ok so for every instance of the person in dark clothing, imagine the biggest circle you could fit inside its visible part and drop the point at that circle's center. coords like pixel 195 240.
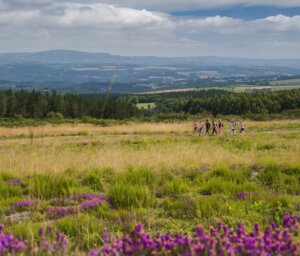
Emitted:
pixel 220 126
pixel 214 128
pixel 207 127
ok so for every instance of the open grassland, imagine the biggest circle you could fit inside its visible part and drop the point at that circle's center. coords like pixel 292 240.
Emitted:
pixel 156 145
pixel 274 86
pixel 286 82
pixel 83 178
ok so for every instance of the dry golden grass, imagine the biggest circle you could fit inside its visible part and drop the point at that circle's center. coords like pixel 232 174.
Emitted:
pixel 157 145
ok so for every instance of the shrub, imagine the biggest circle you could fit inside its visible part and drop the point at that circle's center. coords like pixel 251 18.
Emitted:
pixel 128 196
pixel 45 186
pixel 9 191
pixel 141 176
pixel 55 115
pixel 272 177
pixel 85 230
pixel 181 208
pixel 173 188
pixel 212 207
pixel 219 185
pixel 94 180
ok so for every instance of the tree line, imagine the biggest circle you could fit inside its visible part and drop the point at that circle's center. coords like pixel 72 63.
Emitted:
pixel 225 103
pixel 36 104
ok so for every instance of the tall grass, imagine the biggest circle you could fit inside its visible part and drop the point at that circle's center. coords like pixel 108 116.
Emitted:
pixel 165 146
pixel 45 186
pixel 130 196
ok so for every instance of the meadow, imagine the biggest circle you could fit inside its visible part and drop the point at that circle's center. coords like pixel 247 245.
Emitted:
pixel 83 179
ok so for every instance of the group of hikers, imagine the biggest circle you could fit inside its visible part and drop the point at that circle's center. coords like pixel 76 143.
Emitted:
pixel 204 128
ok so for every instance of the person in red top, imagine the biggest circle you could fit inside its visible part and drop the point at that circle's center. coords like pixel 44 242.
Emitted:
pixel 195 126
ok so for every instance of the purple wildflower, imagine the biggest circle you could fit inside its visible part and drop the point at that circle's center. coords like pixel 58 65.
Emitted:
pixel 9 245
pixel 24 203
pixel 75 203
pixel 217 241
pixel 60 212
pixel 241 196
pixel 14 182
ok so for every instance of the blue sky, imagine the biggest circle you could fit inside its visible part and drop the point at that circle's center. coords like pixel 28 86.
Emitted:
pixel 242 12
pixel 234 28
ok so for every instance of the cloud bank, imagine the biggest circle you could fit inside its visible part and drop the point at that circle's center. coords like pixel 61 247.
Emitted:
pixel 93 26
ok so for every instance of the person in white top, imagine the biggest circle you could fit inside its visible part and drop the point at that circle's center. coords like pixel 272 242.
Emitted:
pixel 233 127
pixel 242 128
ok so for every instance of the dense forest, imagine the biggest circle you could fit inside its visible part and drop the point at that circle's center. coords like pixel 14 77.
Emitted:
pixel 227 103
pixel 35 104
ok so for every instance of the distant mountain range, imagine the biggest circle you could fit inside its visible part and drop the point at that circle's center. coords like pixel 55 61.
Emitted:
pixel 81 71
pixel 77 57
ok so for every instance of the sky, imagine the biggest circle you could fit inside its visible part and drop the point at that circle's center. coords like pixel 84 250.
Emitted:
pixel 230 28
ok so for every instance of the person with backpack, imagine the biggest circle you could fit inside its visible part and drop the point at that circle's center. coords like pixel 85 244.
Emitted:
pixel 207 127
pixel 220 126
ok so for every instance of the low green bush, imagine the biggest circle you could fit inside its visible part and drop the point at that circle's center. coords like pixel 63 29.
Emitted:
pixel 85 230
pixel 140 176
pixel 9 191
pixel 46 186
pixel 94 180
pixel 219 185
pixel 130 196
pixel 185 207
pixel 172 188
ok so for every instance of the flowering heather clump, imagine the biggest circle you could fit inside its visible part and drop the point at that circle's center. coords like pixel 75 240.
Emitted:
pixel 92 203
pixel 63 202
pixel 24 203
pixel 80 202
pixel 14 181
pixel 60 212
pixel 216 241
pixel 84 197
pixel 55 247
pixel 9 245
pixel 241 196
pixel 219 241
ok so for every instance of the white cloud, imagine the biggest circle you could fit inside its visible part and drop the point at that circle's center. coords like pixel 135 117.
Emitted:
pixel 165 5
pixel 216 24
pixel 173 5
pixel 130 31
pixel 278 24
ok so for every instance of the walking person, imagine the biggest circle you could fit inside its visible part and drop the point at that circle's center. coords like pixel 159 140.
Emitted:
pixel 195 126
pixel 220 126
pixel 207 127
pixel 201 128
pixel 215 131
pixel 242 128
pixel 233 127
